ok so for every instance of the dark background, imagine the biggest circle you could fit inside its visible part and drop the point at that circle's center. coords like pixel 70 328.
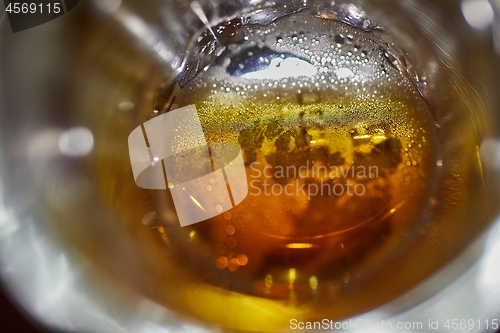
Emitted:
pixel 11 319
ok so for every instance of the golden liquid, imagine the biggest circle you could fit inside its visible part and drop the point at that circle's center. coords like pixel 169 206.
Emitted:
pixel 383 150
pixel 277 256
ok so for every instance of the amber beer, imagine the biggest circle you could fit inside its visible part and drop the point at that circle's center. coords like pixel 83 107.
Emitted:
pixel 339 148
pixel 340 153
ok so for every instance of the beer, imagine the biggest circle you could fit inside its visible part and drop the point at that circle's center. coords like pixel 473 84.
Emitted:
pixel 341 156
pixel 338 163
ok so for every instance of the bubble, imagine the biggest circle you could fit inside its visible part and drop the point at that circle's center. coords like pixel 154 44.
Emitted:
pixel 284 230
pixel 242 259
pixel 230 230
pixel 233 264
pixel 221 262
